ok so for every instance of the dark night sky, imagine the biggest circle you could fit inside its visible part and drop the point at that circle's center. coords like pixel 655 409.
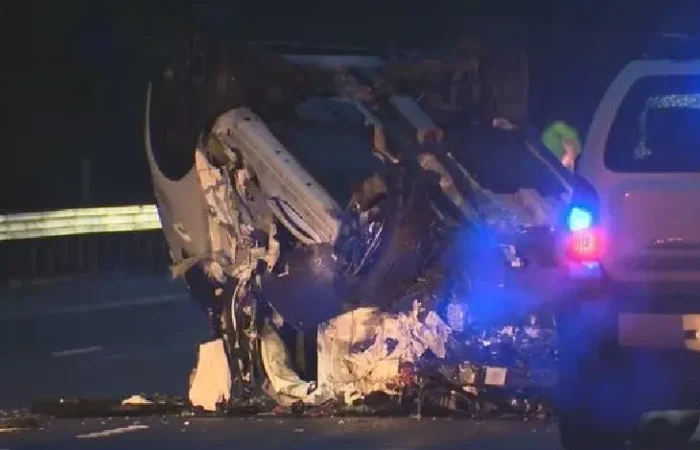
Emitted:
pixel 74 72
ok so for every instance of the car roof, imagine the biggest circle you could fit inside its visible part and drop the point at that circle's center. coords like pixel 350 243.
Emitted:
pixel 663 67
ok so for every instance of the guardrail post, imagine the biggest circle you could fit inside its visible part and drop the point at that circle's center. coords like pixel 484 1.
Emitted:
pixel 33 259
pixel 81 255
pixel 122 243
pixel 149 253
pixel 49 262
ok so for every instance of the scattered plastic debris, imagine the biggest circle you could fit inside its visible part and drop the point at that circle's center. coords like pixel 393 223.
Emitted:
pixel 86 408
pixel 394 339
pixel 18 422
pixel 136 400
pixel 211 380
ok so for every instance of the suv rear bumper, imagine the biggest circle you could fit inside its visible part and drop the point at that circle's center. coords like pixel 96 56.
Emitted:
pixel 623 353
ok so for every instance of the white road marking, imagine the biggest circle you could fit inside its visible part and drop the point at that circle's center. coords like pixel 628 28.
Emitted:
pixel 696 436
pixel 148 352
pixel 81 309
pixel 112 432
pixel 78 351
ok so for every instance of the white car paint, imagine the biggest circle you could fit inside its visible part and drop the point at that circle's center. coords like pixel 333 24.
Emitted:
pixel 642 213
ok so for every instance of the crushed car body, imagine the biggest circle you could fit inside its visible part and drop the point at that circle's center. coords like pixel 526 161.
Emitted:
pixel 342 242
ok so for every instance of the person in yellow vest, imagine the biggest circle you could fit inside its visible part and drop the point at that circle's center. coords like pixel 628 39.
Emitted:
pixel 563 141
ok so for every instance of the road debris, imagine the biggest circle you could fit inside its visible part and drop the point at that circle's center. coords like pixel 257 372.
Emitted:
pixel 18 420
pixel 95 407
pixel 136 400
pixel 211 380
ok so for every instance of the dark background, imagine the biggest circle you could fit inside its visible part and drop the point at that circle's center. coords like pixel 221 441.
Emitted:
pixel 74 72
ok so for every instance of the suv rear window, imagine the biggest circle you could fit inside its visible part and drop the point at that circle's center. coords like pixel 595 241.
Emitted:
pixel 657 128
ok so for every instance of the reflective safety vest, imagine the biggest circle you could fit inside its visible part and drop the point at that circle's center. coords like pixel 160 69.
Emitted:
pixel 556 134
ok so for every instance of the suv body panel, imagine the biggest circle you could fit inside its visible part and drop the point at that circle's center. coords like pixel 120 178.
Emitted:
pixel 651 220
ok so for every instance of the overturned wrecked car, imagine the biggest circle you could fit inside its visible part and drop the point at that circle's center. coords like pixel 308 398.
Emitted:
pixel 349 236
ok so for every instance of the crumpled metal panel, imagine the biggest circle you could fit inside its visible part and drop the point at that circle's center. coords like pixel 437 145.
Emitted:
pixel 297 199
pixel 181 205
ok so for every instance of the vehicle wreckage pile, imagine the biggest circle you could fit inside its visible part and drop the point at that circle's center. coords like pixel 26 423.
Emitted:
pixel 351 237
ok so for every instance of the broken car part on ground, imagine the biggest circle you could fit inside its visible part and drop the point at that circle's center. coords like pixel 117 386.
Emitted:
pixel 351 232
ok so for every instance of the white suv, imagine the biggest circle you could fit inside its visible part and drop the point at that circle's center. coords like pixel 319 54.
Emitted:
pixel 630 330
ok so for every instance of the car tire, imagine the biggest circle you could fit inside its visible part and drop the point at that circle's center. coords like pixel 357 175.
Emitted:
pixel 579 432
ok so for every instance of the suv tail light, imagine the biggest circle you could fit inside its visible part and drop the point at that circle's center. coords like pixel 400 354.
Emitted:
pixel 583 238
pixel 584 241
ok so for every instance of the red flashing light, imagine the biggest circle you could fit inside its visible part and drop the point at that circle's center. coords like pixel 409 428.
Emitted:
pixel 585 245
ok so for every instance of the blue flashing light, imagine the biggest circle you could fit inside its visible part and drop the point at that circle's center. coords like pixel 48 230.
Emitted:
pixel 579 219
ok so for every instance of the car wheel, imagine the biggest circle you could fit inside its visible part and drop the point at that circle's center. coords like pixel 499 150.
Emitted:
pixel 578 432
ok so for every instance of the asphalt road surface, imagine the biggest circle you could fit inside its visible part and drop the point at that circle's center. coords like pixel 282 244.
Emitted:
pixel 119 337
pixel 130 336
pixel 321 434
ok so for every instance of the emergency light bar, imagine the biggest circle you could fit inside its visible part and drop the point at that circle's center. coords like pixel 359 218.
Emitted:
pixel 68 222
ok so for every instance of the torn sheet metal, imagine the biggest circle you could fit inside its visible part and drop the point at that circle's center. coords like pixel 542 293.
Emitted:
pixel 298 199
pixel 235 211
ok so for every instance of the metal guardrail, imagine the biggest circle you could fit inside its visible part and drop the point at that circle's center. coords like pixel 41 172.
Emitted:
pixel 71 222
pixel 77 242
